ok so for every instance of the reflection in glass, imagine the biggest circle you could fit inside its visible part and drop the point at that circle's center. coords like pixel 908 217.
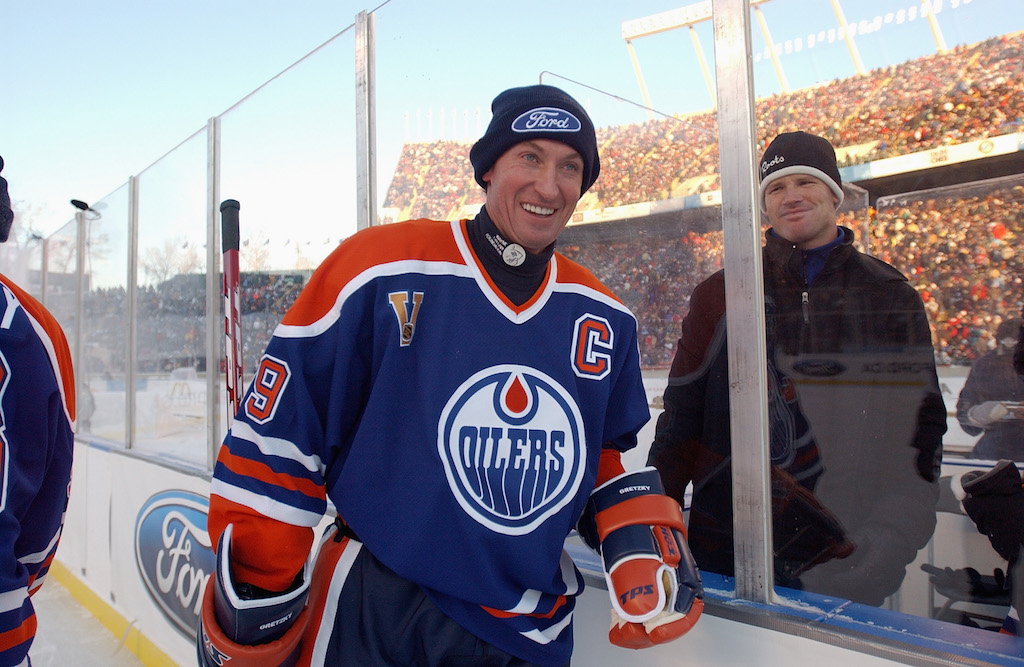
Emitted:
pixel 170 347
pixel 925 137
pixel 958 246
pixel 103 364
pixel 61 281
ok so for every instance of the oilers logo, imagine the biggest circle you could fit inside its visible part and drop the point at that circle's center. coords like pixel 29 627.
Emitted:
pixel 513 446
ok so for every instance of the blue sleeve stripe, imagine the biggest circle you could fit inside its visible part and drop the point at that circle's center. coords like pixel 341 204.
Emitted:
pixel 275 447
pixel 308 514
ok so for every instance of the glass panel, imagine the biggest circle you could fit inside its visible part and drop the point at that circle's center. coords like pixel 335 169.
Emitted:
pixel 21 256
pixel 921 106
pixel 103 365
pixel 32 255
pixel 170 349
pixel 61 281
pixel 288 157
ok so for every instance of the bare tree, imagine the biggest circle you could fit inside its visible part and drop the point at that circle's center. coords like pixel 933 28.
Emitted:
pixel 255 253
pixel 23 252
pixel 175 256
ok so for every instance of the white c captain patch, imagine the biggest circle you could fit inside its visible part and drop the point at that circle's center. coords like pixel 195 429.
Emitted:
pixel 513 445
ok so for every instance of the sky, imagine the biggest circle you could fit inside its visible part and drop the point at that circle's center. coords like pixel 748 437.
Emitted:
pixel 95 92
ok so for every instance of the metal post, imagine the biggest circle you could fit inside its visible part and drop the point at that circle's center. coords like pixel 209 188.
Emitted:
pixel 928 10
pixel 699 50
pixel 779 72
pixel 76 354
pixel 640 79
pixel 850 44
pixel 133 312
pixel 744 292
pixel 366 141
pixel 214 304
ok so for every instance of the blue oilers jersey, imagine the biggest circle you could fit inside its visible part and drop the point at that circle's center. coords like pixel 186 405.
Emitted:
pixel 37 417
pixel 457 433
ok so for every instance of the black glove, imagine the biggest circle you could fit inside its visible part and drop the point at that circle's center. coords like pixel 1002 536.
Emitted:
pixel 804 532
pixel 995 502
pixel 968 584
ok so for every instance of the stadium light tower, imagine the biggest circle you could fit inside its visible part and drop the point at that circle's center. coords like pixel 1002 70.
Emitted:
pixel 690 15
pixel 858 64
pixel 683 17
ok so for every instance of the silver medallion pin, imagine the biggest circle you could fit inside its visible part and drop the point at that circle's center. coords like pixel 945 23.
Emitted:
pixel 514 255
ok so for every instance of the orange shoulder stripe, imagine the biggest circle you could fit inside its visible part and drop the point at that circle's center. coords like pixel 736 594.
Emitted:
pixel 54 341
pixel 424 240
pixel 571 272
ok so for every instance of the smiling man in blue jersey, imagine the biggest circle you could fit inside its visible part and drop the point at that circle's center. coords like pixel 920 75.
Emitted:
pixel 461 393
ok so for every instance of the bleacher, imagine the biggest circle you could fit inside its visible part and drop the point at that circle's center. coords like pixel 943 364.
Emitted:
pixel 957 247
pixel 890 111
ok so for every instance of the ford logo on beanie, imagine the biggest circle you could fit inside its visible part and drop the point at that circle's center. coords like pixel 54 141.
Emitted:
pixel 547 118
pixel 536 112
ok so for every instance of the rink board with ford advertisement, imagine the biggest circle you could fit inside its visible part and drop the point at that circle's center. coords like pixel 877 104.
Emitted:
pixel 136 535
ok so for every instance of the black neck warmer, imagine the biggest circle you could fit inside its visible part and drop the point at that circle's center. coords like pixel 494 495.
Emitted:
pixel 517 283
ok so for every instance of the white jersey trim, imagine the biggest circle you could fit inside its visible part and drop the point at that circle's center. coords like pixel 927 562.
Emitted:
pixel 268 507
pixel 13 600
pixel 324 632
pixel 44 338
pixel 278 447
pixel 549 634
pixel 427 268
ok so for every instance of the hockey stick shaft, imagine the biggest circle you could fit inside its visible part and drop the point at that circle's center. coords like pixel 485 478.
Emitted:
pixel 232 306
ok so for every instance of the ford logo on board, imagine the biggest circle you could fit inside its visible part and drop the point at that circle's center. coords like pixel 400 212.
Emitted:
pixel 819 367
pixel 174 556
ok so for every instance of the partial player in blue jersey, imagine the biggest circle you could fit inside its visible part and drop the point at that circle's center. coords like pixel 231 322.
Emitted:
pixel 461 393
pixel 37 419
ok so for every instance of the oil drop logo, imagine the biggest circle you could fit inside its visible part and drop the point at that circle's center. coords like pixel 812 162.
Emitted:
pixel 513 446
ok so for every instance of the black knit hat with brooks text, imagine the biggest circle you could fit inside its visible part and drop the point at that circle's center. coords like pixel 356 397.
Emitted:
pixel 536 112
pixel 800 153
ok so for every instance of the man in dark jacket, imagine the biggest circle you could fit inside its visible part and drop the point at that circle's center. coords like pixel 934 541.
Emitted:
pixel 856 416
pixel 990 404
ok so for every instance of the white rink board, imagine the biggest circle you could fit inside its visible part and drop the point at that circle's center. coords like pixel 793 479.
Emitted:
pixel 111 488
pixel 105 506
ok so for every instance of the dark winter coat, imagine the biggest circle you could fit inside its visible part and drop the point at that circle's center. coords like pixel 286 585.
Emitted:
pixel 856 423
pixel 993 378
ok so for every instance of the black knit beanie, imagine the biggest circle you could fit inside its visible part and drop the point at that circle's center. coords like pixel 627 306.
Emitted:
pixel 536 112
pixel 800 153
pixel 6 214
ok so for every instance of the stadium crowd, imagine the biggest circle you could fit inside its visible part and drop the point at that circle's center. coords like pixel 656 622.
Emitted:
pixel 957 247
pixel 967 93
pixel 959 250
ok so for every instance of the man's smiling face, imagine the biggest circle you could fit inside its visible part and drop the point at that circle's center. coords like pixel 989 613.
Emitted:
pixel 532 191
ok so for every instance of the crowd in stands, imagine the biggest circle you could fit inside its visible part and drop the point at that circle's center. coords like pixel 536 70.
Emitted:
pixel 960 251
pixel 433 181
pixel 958 248
pixel 967 93
pixel 172 320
